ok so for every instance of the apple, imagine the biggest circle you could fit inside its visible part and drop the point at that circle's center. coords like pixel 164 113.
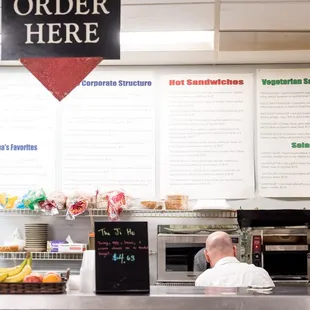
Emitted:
pixel 32 279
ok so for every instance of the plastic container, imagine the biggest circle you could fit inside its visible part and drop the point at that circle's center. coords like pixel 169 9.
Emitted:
pixel 87 273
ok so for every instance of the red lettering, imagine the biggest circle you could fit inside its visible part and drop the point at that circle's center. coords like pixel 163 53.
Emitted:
pixel 176 82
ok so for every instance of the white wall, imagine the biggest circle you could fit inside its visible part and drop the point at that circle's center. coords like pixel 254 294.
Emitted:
pixel 255 203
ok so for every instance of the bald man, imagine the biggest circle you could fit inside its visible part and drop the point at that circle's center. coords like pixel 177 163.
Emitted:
pixel 226 270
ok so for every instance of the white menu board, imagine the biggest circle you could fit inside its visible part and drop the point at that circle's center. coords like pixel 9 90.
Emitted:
pixel 207 136
pixel 109 134
pixel 27 133
pixel 283 132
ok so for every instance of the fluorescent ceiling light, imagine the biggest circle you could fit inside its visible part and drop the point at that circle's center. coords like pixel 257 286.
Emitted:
pixel 166 41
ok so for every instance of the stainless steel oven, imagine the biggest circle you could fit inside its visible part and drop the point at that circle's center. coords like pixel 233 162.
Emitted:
pixel 283 252
pixel 176 254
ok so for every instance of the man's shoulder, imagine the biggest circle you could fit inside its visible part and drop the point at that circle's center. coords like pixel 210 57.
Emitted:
pixel 257 269
pixel 206 273
pixel 201 280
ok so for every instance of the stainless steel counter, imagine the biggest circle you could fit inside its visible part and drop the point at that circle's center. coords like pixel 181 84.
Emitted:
pixel 168 298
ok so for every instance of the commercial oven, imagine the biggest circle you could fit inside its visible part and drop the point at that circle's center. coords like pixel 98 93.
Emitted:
pixel 282 252
pixel 177 249
pixel 280 242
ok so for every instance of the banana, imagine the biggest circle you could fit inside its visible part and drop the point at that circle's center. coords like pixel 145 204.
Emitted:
pixel 12 271
pixel 29 261
pixel 19 277
pixel 3 276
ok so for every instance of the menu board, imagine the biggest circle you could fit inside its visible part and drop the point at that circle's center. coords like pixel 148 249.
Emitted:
pixel 27 133
pixel 206 140
pixel 283 135
pixel 122 257
pixel 109 134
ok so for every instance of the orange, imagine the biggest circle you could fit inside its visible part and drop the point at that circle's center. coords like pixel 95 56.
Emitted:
pixel 52 278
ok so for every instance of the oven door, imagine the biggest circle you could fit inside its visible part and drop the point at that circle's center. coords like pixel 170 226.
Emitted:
pixel 286 262
pixel 176 256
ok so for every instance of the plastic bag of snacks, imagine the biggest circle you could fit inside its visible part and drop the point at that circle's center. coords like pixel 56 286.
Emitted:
pixel 48 207
pixel 102 201
pixel 58 198
pixel 92 201
pixel 7 202
pixel 32 198
pixel 76 205
pixel 116 204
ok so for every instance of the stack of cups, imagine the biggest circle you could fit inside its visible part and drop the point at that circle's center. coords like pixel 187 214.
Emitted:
pixel 88 273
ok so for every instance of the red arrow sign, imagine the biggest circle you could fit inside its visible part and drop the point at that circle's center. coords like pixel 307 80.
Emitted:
pixel 60 75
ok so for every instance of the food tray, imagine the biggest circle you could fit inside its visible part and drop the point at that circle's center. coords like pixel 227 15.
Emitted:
pixel 36 288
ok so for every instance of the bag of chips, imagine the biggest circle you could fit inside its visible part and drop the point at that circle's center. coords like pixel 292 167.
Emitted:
pixel 32 199
pixel 76 205
pixel 59 199
pixel 7 202
pixel 116 204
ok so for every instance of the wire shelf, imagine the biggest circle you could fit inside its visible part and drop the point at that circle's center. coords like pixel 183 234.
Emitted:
pixel 136 213
pixel 41 256
pixel 170 213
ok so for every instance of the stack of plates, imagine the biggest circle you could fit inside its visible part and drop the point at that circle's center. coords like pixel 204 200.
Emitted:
pixel 36 237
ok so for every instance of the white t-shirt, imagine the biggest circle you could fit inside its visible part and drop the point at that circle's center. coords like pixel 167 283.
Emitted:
pixel 229 272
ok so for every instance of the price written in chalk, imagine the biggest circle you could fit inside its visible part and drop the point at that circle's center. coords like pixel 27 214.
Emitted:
pixel 123 259
pixel 117 232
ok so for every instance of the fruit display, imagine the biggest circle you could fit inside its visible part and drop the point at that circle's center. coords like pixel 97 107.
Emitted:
pixel 23 274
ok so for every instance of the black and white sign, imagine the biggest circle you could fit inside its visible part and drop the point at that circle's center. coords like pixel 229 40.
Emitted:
pixel 60 28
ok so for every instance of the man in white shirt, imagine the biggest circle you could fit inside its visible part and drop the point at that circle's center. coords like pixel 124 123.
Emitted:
pixel 226 270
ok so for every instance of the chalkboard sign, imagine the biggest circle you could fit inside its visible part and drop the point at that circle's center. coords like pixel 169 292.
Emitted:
pixel 122 258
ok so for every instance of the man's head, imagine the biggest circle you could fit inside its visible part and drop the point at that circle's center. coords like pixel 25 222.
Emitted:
pixel 218 246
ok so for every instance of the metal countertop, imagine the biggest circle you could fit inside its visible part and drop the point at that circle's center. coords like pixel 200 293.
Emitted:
pixel 168 298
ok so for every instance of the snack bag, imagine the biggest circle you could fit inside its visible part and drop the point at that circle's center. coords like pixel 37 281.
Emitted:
pixel 7 202
pixel 59 199
pixel 2 200
pixel 76 205
pixel 102 201
pixel 10 202
pixel 19 204
pixel 116 203
pixel 32 198
pixel 48 207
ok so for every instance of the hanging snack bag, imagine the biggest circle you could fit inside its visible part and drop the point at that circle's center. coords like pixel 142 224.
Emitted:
pixel 10 202
pixel 32 199
pixel 48 207
pixel 59 199
pixel 116 204
pixel 76 205
pixel 2 200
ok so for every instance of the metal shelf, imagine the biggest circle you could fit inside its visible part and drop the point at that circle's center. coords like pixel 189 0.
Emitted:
pixel 136 213
pixel 18 212
pixel 170 213
pixel 41 256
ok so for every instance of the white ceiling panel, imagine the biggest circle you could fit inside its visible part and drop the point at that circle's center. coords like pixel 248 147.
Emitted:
pixel 265 16
pixel 264 41
pixel 168 17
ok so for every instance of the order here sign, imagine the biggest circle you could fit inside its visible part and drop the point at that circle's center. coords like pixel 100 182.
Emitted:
pixel 60 28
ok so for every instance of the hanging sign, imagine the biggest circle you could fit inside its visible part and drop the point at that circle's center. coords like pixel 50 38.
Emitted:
pixel 60 28
pixel 68 29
